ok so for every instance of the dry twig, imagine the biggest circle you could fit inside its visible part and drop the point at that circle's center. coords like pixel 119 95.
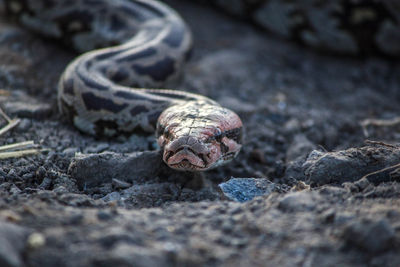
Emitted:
pixel 16 150
pixel 379 123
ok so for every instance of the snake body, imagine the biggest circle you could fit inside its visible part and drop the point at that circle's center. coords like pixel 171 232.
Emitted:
pixel 148 46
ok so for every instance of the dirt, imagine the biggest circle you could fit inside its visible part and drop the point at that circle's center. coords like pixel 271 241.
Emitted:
pixel 102 202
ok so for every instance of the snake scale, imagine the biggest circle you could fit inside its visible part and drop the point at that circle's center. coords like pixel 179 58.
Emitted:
pixel 147 44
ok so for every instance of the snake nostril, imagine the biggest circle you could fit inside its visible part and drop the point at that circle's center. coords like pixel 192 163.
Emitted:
pixel 202 157
pixel 168 154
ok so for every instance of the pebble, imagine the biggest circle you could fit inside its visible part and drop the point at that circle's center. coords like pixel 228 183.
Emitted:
pixel 112 197
pixel 60 189
pixel 96 148
pixel 36 240
pixel 70 151
pixel 45 184
pixel 245 189
pixel 24 125
pixel 14 190
pixel 299 201
pixel 118 184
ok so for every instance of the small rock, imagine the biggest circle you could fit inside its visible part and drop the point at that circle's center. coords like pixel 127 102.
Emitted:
pixel 96 148
pixel 76 200
pixel 45 184
pixel 70 151
pixel 112 197
pixel 118 184
pixel 245 189
pixel 12 244
pixel 36 240
pixel 60 189
pixel 362 184
pixel 96 169
pixel 332 190
pixel 369 235
pixel 299 201
pixel 14 190
pixel 24 125
pixel 351 164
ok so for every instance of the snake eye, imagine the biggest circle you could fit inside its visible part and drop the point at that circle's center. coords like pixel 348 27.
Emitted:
pixel 166 132
pixel 218 135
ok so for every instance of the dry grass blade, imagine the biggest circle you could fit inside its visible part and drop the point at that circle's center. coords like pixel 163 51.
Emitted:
pixel 16 150
pixel 379 123
pixel 2 113
pixel 18 154
pixel 17 146
pixel 9 126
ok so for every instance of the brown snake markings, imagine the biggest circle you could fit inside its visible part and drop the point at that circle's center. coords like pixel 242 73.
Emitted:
pixel 147 45
pixel 97 91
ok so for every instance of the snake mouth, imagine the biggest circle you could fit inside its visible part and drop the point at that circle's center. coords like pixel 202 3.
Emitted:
pixel 185 159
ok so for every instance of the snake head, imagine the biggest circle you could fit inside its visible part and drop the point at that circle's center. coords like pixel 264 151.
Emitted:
pixel 198 138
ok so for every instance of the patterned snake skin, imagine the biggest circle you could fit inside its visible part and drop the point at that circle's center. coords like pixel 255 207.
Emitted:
pixel 149 44
pixel 350 27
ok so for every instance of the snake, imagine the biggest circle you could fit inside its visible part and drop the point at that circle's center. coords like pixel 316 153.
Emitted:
pixel 129 50
pixel 132 47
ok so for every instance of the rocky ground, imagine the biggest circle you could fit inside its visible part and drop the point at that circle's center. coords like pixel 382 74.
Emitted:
pixel 321 134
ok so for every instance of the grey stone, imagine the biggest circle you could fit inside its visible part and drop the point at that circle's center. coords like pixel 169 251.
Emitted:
pixel 245 189
pixel 45 184
pixel 362 184
pixel 70 151
pixel 60 189
pixel 15 190
pixel 93 170
pixel 24 125
pixel 299 201
pixel 118 184
pixel 111 197
pixel 350 165
pixel 98 148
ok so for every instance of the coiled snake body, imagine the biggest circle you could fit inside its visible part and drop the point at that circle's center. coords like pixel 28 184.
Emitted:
pixel 96 93
pixel 149 44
